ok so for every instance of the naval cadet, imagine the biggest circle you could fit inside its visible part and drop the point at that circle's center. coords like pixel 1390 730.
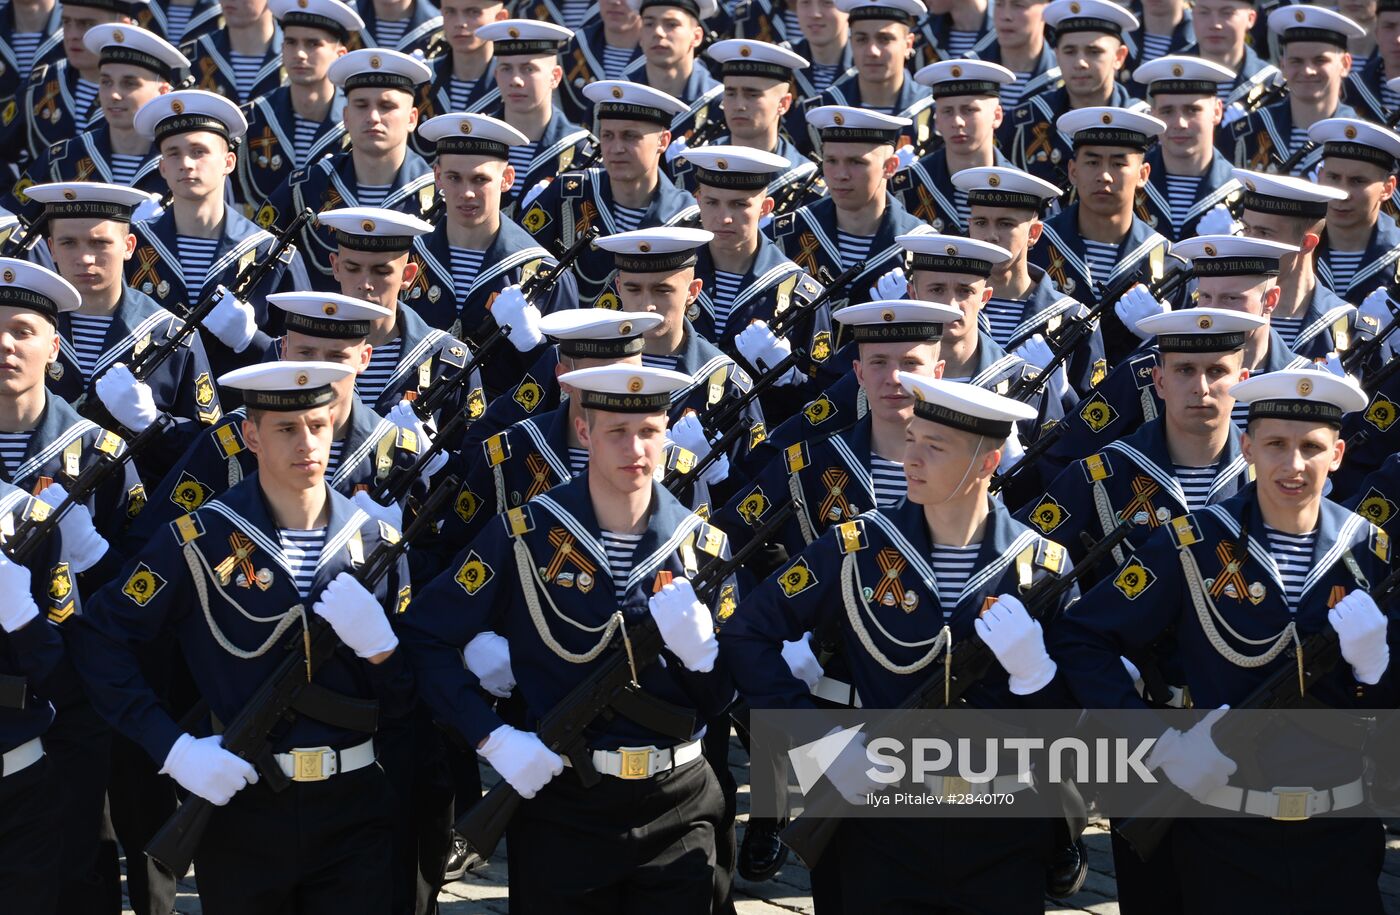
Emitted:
pixel 378 170
pixel 607 48
pixel 1189 177
pixel 758 80
pixel 527 75
pixel 468 269
pixel 966 113
pixel 824 39
pixel 1263 571
pixel 301 121
pixel 947 562
pixel 1006 207
pixel 134 68
pixel 1089 52
pixel 199 245
pixel 242 59
pixel 1360 248
pixel 856 224
pixel 672 33
pixel 31 36
pixel 628 192
pixel 602 551
pixel 415 29
pixel 1167 27
pixel 237 582
pixel 954 30
pixel 1099 238
pixel 1372 434
pixel 1368 86
pixel 1222 36
pixel 1019 43
pixel 464 78
pixel 1314 61
pixel 882 44
pixel 1376 497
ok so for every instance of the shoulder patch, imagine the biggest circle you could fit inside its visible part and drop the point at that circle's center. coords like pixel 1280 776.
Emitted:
pixel 230 442
pixel 795 456
pixel 1133 579
pixel 742 379
pixel 1096 467
pixel 850 536
pixel 405 598
pixel 406 440
pixel 142 585
pixel 108 443
pixel 535 219
pixel 37 77
pixel 571 186
pixel 821 346
pixel 1375 507
pixel 467 505
pixel 1097 412
pixel 1050 556
pixel 497 449
pixel 1381 412
pixel 1049 514
pixel 135 500
pixel 753 506
pixel 58 150
pixel 528 394
pixel 1185 531
pixel 474 573
pixel 187 528
pixel 758 432
pixel 1380 544
pixel 388 533
pixel 1141 367
pixel 784 224
pixel 680 460
pixel 189 493
pixel 709 539
pixel 519 520
pixel 819 410
pixel 60 589
pixel 797 578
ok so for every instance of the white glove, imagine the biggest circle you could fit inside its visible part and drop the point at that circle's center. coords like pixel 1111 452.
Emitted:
pixel 1019 644
pixel 1233 112
pixel 802 662
pixel 487 656
pixel 403 416
pixel 82 544
pixel 18 607
pixel 129 401
pixel 391 515
pixel 1011 452
pixel 150 208
pixel 686 625
pixel 763 349
pixel 891 285
pixel 1377 306
pixel 1217 221
pixel 1039 354
pixel 511 309
pixel 231 320
pixel 522 759
pixel 534 192
pixel 717 472
pixel 907 156
pixel 1361 628
pixel 678 146
pixel 1333 364
pixel 202 766
pixel 1191 760
pixel 356 617
pixel 688 433
pixel 1137 304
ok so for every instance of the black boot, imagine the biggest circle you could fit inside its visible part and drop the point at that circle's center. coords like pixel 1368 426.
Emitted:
pixel 461 859
pixel 761 854
pixel 1067 871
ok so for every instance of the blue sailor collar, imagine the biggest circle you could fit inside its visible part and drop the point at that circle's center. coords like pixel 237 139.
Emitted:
pixel 1382 251
pixel 1147 449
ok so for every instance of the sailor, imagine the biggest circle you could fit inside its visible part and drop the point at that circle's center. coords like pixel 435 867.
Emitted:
pixel 607 48
pixel 627 192
pixel 1019 43
pixel 1222 37
pixel 1368 84
pixel 31 36
pixel 241 60
pixel 415 28
pixel 1360 248
pixel 672 33
pixel 379 170
pixel 301 121
pixel 464 78
pixel 239 582
pixel 954 30
pixel 602 551
pixel 1166 28
pixel 1265 570
pixel 1314 61
pixel 823 38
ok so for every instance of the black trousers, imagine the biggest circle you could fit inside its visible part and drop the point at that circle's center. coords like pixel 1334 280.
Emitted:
pixel 945 865
pixel 139 801
pixel 79 745
pixel 622 847
pixel 317 848
pixel 1261 865
pixel 414 757
pixel 1151 887
pixel 716 747
pixel 31 840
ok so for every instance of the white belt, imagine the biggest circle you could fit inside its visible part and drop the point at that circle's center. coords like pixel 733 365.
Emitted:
pixel 316 764
pixel 22 757
pixel 643 762
pixel 945 785
pixel 1287 803
pixel 836 691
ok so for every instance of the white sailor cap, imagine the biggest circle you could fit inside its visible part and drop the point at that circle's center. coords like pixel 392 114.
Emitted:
pixel 339 19
pixel 121 43
pixel 1313 23
pixel 187 111
pixel 379 68
pixel 26 285
pixel 1109 126
pixel 658 250
pixel 951 253
pixel 87 200
pixel 744 57
pixel 1351 138
pixel 1201 330
pixel 738 168
pixel 1000 186
pixel 968 407
pixel 700 9
pixel 1285 195
pixel 328 314
pixel 906 11
pixel 625 388
pixel 598 333
pixel 844 124
pixel 465 134
pixel 621 100
pixel 897 320
pixel 1232 255
pixel 1089 16
pixel 1178 74
pixel 1309 395
pixel 373 228
pixel 948 78
pixel 524 37
pixel 285 387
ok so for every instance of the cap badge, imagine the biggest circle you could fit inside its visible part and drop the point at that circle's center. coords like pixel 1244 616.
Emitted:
pixel 330 309
pixel 69 195
pixel 513 32
pixel 374 62
pixel 634 384
pixel 1177 70
pixel 721 164
pixel 302 3
pixel 1204 323
pixel 1074 8
pixel 1209 250
pixel 119 36
pixel 745 51
pixel 177 106
pixel 625 327
pixel 1300 16
pixel 1107 118
pixel 367 225
pixel 951 250
pixel 9 275
pixel 994 180
pixel 465 127
pixel 617 92
pixel 887 315
pixel 302 378
pixel 1350 132
pixel 644 247
pixel 956 72
pixel 1305 387
pixel 838 119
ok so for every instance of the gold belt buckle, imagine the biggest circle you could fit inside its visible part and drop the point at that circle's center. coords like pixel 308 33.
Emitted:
pixel 636 762
pixel 310 765
pixel 1292 804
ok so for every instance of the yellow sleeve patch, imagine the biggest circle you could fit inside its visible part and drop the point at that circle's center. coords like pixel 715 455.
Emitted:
pixel 1380 544
pixel 753 507
pixel 1133 579
pixel 187 528
pixel 850 535
pixel 1096 467
pixel 796 457
pixel 497 449
pixel 519 520
pixel 229 442
pixel 1184 531
pixel 474 573
pixel 143 585
pixel 797 578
